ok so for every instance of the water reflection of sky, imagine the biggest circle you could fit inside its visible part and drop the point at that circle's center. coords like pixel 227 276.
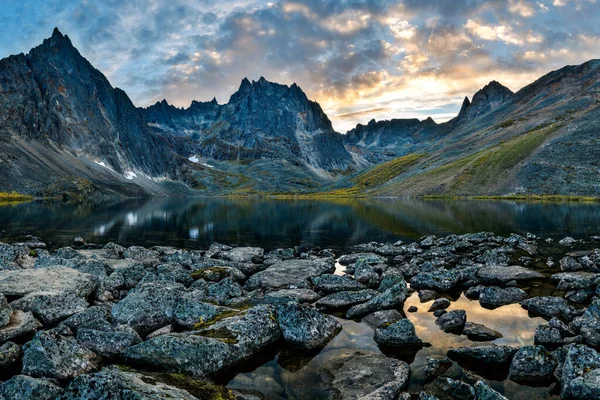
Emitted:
pixel 275 381
pixel 196 223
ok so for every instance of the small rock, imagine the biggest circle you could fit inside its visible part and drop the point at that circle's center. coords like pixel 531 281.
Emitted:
pixel 452 322
pixel 480 333
pixel 22 387
pixel 426 295
pixel 440 304
pixel 567 241
pixel 546 306
pixel 345 300
pixel 532 365
pixel 547 336
pixel 484 392
pixel 485 358
pixel 494 296
pixel 398 334
pixel 305 327
pixel 434 367
pixel 21 324
pixel 381 318
pixel 412 309
pixel 9 355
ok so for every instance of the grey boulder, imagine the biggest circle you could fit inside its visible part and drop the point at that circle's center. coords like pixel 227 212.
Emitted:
pixel 305 327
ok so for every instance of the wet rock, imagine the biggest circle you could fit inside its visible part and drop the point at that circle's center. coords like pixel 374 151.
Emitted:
pixel 545 306
pixel 586 386
pixel 207 351
pixel 21 324
pixel 569 264
pixel 439 313
pixel 381 318
pixel 452 322
pixel 298 295
pixel 148 307
pixel 335 283
pixel 579 360
pixel 50 354
pixel 487 359
pixel 22 387
pixel 59 279
pixel 455 388
pixel 484 392
pixel 434 367
pixel 51 307
pixel 473 292
pixel 389 299
pixel 399 334
pixel 363 272
pixel 9 355
pixel 495 296
pixel 112 383
pixel 289 274
pixel 345 300
pixel 442 281
pixel 357 375
pixel 412 309
pixel 532 365
pixel 439 304
pixel 480 333
pixel 503 275
pixel 107 344
pixel 548 336
pixel 305 327
pixel 426 295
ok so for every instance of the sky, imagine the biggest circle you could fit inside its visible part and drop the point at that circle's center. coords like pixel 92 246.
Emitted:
pixel 359 59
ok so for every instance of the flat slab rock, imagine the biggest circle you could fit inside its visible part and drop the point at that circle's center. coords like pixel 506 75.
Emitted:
pixel 59 279
pixel 289 274
pixel 355 375
pixel 502 275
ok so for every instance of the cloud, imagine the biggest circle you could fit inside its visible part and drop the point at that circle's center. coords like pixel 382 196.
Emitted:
pixel 504 33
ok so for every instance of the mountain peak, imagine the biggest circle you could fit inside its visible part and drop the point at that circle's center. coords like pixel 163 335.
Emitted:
pixel 57 34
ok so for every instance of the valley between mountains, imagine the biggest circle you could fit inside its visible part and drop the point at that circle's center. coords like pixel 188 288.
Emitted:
pixel 66 132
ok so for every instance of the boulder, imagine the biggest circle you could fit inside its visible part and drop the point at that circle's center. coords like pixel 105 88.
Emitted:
pixel 486 359
pixel 439 304
pixel 576 280
pixel 330 283
pixel 148 307
pixel 22 387
pixel 52 355
pixel 243 254
pixel 480 333
pixel 51 307
pixel 107 344
pixel 9 354
pixel 298 295
pixel 579 361
pixel 569 264
pixel 434 367
pixel 389 299
pixel 190 311
pixel 345 300
pixel 547 336
pixel 502 275
pixel 355 375
pixel 370 258
pixel 441 281
pixel 452 322
pixel 532 365
pixel 93 317
pixel 305 327
pixel 111 383
pixel 545 306
pixel 494 296
pixel 399 334
pixel 587 386
pixel 21 323
pixel 290 274
pixel 363 272
pixel 212 349
pixel 60 279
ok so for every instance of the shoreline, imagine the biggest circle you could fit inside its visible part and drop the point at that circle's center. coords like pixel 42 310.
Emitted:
pixel 192 318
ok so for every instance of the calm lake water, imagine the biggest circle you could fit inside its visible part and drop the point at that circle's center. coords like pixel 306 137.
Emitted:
pixel 196 223
pixel 284 373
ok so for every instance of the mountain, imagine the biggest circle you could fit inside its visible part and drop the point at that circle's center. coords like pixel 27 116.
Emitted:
pixel 541 140
pixel 60 118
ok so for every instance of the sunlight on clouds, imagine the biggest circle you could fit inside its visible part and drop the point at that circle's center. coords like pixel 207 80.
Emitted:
pixel 502 33
pixel 522 8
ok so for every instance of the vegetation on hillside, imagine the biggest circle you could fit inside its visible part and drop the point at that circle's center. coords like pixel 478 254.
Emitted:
pixel 13 196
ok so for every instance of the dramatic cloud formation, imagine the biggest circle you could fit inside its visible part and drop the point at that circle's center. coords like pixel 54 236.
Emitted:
pixel 360 59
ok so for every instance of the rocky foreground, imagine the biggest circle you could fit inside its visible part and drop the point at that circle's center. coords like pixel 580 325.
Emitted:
pixel 123 323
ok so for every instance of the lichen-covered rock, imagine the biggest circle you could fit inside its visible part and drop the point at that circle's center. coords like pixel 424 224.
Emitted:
pixel 439 304
pixel 21 323
pixel 547 336
pixel 212 349
pixel 148 307
pixel 298 295
pixel 22 387
pixel 355 375
pixel 243 254
pixel 389 299
pixel 587 386
pixel 441 281
pixel 52 355
pixel 532 365
pixel 546 306
pixel 434 367
pixel 480 333
pixel 305 327
pixel 576 280
pixel 344 300
pixel 111 383
pixel 370 258
pixel 174 273
pixel 494 296
pixel 51 307
pixel 190 311
pixel 5 311
pixel 224 290
pixel 363 272
pixel 59 279
pixel 290 274
pixel 452 322
pixel 579 360
pixel 93 317
pixel 107 344
pixel 502 275
pixel 399 334
pixel 330 283
pixel 484 392
pixel 485 358
pixel 9 355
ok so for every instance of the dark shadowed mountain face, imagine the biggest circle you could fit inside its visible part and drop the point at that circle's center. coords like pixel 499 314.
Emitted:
pixel 60 117
pixel 485 100
pixel 262 120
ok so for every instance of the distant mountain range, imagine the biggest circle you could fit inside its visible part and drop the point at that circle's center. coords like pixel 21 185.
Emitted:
pixel 64 130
